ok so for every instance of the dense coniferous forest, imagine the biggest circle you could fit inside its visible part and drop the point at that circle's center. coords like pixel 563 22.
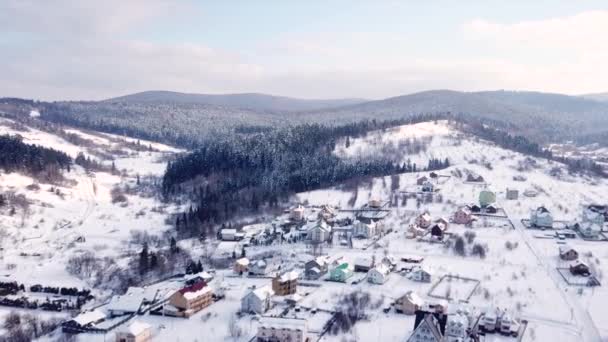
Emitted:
pixel 31 159
pixel 242 173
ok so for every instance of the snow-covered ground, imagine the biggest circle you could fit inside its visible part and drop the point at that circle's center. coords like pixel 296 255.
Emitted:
pixel 78 215
pixel 521 279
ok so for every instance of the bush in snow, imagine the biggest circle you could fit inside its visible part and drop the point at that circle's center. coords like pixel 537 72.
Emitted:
pixel 479 250
pixel 459 246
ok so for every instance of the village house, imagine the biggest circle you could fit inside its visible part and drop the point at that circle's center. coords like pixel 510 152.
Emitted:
pixel 318 232
pixel 342 272
pixel 486 197
pixel 589 230
pixel 258 268
pixel 315 268
pixel 231 235
pixel 594 214
pixel 85 321
pixel 278 329
pixel 390 261
pixel 409 303
pixel 297 213
pixel 327 213
pixel 428 327
pixel 427 187
pixel 489 321
pixel 420 274
pixel 491 209
pixel 189 300
pixel 137 299
pixel 438 231
pixel 580 269
pixel 568 253
pixel 512 194
pixel 241 266
pixel 134 332
pixel 257 300
pixel 364 230
pixel 457 327
pixel 379 274
pixel 600 209
pixel 364 264
pixel 424 220
pixel 475 178
pixel 474 208
pixel 422 180
pixel 285 284
pixel 463 216
pixel 541 218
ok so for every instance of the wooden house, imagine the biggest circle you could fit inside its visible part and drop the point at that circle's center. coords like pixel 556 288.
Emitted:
pixel 568 253
pixel 463 216
pixel 241 266
pixel 423 220
pixel 297 213
pixel 409 303
pixel 427 187
pixel 189 300
pixel 438 231
pixel 285 284
pixel 422 180
pixel 135 331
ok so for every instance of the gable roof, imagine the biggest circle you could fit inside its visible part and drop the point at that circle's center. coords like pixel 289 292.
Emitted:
pixel 135 328
pixel 261 293
pixel 195 290
pixel 432 321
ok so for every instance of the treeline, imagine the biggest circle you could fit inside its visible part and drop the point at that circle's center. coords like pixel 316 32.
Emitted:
pixel 31 159
pixel 241 174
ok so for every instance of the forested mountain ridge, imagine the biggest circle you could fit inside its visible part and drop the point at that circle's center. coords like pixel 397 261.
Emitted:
pixel 541 117
pixel 253 101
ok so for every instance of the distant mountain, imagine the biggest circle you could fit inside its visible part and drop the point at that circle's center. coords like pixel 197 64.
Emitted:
pixel 252 101
pixel 603 97
pixel 539 115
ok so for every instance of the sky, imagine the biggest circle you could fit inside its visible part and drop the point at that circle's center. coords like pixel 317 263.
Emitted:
pixel 91 50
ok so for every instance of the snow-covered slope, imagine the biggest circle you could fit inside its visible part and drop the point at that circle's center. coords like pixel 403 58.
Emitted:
pixel 79 214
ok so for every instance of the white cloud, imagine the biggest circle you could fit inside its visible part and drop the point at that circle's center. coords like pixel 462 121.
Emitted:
pixel 91 50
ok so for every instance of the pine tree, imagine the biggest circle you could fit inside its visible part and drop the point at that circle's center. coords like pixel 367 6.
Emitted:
pixel 173 244
pixel 144 262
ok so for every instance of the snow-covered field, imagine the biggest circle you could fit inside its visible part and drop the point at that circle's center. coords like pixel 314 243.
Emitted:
pixel 63 220
pixel 521 279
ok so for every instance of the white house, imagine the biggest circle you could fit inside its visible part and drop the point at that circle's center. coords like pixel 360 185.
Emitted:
pixel 379 274
pixel 276 329
pixel 427 330
pixel 364 230
pixel 258 267
pixel 420 274
pixel 257 300
pixel 318 232
pixel 456 327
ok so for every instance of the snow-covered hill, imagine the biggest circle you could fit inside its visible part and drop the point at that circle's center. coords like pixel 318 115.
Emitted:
pixel 56 222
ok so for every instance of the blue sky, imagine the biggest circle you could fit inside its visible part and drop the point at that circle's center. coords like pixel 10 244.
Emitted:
pixel 312 49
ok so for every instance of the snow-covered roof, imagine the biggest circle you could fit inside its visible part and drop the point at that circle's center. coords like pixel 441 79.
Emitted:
pixel 228 231
pixel 413 298
pixel 565 249
pixel 89 317
pixel 135 328
pixel 382 269
pixel 130 301
pixel 289 276
pixel 261 292
pixel 284 323
pixel 243 262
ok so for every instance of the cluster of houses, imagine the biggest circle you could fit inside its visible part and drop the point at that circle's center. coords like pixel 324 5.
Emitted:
pixel 258 300
pixel 118 314
pixel 577 267
pixel 424 224
pixel 592 221
pixel 436 325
